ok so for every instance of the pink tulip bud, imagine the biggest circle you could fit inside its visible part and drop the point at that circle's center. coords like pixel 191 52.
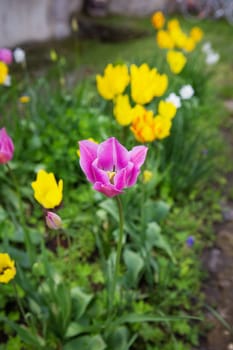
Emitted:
pixel 53 220
pixel 6 147
pixel 6 56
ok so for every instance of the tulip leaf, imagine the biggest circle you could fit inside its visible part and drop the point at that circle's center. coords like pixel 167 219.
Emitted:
pixel 81 301
pixel 86 342
pixel 118 340
pixel 156 239
pixel 134 264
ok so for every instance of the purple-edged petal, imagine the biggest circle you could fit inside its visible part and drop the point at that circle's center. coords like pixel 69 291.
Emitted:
pixel 108 189
pixel 112 155
pixel 99 174
pixel 127 176
pixel 88 153
pixel 138 155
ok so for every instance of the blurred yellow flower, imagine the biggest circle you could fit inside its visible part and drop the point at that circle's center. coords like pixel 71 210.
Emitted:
pixel 143 126
pixel 160 84
pixel 146 83
pixel 167 109
pixel 173 24
pixel 24 99
pixel 147 176
pixel 196 34
pixel 90 139
pixel 164 40
pixel 189 45
pixel 113 82
pixel 162 127
pixel 3 72
pixel 122 110
pixel 179 37
pixel 176 61
pixel 7 268
pixel 46 190
pixel 158 20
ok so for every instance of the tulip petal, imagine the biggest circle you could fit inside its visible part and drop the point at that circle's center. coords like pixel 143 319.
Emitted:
pixel 138 155
pixel 99 174
pixel 88 153
pixel 107 189
pixel 112 155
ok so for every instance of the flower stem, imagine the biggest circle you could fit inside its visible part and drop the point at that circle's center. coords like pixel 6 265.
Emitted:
pixel 20 305
pixel 119 250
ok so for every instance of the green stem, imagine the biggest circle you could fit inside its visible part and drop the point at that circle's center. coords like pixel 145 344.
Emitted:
pixel 20 305
pixel 28 242
pixel 119 250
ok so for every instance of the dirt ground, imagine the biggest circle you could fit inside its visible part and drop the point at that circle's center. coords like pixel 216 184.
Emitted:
pixel 218 261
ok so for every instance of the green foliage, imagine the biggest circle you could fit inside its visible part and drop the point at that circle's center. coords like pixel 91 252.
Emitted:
pixel 63 281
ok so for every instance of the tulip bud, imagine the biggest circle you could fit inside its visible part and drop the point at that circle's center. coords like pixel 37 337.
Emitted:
pixel 53 220
pixel 6 147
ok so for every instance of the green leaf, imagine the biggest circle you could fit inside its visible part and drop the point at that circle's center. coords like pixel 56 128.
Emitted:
pixel 155 238
pixel 26 334
pixel 111 208
pixel 161 210
pixel 118 340
pixel 86 343
pixel 134 264
pixel 137 318
pixel 74 329
pixel 81 300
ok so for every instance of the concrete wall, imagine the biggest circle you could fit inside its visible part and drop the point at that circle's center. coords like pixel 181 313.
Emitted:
pixel 37 20
pixel 135 7
pixel 32 20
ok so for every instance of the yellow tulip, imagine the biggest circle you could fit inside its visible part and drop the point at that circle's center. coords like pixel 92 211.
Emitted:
pixel 189 45
pixel 164 40
pixel 3 72
pixel 46 190
pixel 167 109
pixel 176 61
pixel 143 80
pixel 122 110
pixel 173 24
pixel 113 82
pixel 196 34
pixel 162 127
pixel 143 126
pixel 7 268
pixel 158 20
pixel 160 84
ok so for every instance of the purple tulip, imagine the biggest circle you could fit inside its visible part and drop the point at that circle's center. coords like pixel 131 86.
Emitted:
pixel 6 56
pixel 110 166
pixel 53 220
pixel 6 147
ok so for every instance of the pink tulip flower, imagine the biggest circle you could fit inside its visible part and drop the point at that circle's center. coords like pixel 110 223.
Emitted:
pixel 110 166
pixel 6 56
pixel 6 147
pixel 53 220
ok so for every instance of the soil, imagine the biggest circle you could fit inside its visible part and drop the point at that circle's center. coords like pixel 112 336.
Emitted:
pixel 218 261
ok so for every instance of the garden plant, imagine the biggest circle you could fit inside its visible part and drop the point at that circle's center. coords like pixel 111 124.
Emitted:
pixel 104 197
